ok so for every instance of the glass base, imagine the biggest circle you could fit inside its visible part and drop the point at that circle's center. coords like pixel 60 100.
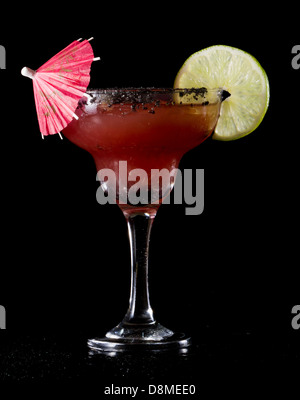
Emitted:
pixel 125 337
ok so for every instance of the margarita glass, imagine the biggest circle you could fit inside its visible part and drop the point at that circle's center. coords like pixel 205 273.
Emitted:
pixel 144 129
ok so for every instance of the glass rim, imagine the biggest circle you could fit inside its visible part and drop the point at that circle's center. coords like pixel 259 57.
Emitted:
pixel 136 95
pixel 153 90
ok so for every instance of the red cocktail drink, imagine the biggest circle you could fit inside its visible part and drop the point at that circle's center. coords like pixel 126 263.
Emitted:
pixel 151 131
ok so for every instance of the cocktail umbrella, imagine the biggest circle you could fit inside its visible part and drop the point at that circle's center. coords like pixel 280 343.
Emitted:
pixel 59 84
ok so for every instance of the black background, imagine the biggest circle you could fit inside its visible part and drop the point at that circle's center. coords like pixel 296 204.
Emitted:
pixel 229 276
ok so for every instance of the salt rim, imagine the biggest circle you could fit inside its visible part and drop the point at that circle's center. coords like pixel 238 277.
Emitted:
pixel 111 96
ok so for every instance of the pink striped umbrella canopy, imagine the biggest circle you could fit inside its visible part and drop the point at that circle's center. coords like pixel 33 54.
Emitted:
pixel 59 84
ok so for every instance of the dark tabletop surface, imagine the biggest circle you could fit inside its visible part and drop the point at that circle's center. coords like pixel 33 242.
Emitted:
pixel 214 362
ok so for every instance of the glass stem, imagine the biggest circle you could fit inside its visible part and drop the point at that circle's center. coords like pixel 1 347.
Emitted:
pixel 139 311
